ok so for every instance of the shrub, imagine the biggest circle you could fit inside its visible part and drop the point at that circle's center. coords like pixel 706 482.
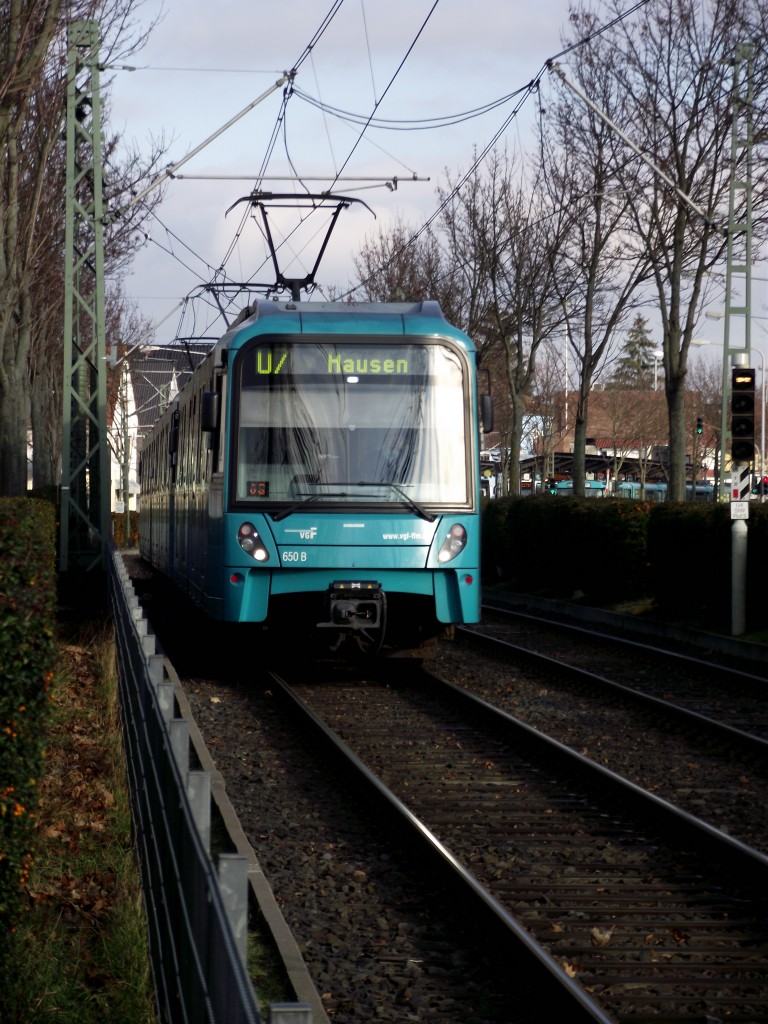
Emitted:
pixel 560 546
pixel 690 549
pixel 27 645
pixel 613 550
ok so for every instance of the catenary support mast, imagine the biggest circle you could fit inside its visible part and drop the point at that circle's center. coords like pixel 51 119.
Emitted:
pixel 85 471
pixel 85 474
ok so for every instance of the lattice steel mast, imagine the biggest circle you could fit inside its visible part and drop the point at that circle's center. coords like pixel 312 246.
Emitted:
pixel 85 473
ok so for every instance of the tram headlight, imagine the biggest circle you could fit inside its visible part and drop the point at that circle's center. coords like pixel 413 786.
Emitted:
pixel 453 544
pixel 249 540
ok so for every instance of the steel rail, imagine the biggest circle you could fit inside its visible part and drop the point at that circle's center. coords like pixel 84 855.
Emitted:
pixel 744 741
pixel 743 859
pixel 728 858
pixel 589 631
pixel 577 1003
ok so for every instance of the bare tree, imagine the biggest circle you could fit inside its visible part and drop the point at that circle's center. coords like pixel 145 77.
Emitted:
pixel 28 29
pixel 504 224
pixel 32 111
pixel 121 240
pixel 399 265
pixel 491 264
pixel 705 381
pixel 599 273
pixel 635 420
pixel 672 67
pixel 546 410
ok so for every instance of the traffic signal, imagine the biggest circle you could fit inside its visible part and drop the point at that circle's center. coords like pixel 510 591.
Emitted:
pixel 699 425
pixel 742 414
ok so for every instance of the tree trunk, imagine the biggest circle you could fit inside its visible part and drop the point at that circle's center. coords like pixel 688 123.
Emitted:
pixel 46 425
pixel 515 443
pixel 580 436
pixel 14 416
pixel 677 442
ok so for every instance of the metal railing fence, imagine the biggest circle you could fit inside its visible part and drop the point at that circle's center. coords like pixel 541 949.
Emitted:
pixel 198 969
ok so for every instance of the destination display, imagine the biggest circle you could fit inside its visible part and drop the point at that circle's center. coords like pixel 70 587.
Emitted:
pixel 322 360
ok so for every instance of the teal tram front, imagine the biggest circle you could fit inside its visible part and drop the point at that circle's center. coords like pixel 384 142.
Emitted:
pixel 320 475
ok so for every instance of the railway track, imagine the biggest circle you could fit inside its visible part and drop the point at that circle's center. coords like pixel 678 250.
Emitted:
pixel 623 916
pixel 583 875
pixel 659 719
pixel 376 936
pixel 730 705
pixel 731 690
pixel 636 911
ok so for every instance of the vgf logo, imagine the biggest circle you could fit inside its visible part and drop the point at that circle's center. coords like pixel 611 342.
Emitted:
pixel 309 534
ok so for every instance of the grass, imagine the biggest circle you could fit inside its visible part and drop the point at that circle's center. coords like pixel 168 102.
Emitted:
pixel 81 947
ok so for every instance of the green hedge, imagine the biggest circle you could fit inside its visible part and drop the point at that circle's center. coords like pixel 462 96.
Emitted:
pixel 690 555
pixel 27 650
pixel 609 551
pixel 566 546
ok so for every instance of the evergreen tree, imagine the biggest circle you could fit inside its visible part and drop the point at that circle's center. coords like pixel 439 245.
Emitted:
pixel 636 368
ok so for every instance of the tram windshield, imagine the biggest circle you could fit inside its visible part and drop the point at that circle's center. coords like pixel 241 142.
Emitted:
pixel 348 421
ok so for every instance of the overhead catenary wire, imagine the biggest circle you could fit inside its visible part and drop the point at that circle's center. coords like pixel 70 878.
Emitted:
pixel 380 178
pixel 524 93
pixel 170 172
pixel 373 121
pixel 289 92
pixel 281 119
pixel 391 82
pixel 408 124
pixel 307 52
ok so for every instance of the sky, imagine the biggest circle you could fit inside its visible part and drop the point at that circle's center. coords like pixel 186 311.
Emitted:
pixel 405 60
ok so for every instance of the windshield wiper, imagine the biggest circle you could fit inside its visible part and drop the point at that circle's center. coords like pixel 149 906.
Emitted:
pixel 285 512
pixel 306 499
pixel 410 502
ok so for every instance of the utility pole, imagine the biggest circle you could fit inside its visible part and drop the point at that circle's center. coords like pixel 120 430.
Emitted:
pixel 738 355
pixel 85 472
